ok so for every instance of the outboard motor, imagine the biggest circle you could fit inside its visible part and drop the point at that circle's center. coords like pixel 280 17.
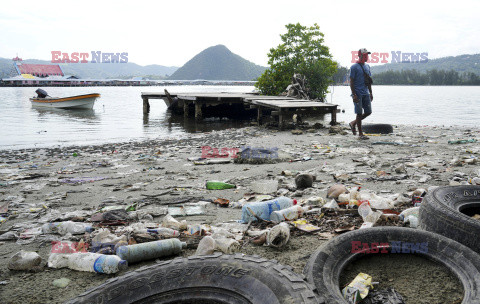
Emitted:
pixel 41 93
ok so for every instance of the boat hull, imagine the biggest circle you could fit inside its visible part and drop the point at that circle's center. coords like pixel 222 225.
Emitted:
pixel 74 102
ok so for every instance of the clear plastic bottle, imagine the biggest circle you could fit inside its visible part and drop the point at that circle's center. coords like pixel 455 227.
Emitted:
pixel 150 250
pixel 288 214
pixel 162 231
pixel 94 262
pixel 170 222
pixel 87 261
pixel 67 227
pixel 264 209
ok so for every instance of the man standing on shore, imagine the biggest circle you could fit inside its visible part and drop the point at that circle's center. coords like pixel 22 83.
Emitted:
pixel 361 86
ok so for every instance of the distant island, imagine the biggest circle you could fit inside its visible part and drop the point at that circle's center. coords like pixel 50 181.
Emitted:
pixel 457 70
pixel 218 63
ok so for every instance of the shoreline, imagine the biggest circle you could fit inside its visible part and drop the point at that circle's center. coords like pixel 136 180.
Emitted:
pixel 128 172
pixel 186 135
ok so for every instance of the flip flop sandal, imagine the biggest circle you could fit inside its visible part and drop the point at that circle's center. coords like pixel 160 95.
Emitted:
pixel 352 127
pixel 363 137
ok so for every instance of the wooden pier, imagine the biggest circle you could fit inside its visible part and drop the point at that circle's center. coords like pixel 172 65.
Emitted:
pixel 275 105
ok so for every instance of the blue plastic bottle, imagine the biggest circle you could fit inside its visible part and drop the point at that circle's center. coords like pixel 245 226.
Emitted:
pixel 264 209
pixel 95 262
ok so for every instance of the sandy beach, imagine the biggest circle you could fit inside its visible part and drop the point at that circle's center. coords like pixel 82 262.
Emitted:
pixel 39 185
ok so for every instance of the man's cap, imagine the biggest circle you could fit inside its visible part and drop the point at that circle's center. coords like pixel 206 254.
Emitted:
pixel 363 51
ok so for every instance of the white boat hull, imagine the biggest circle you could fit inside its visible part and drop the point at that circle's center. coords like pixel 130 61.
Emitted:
pixel 75 102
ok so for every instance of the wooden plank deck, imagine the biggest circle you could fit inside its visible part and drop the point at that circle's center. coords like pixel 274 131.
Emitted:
pixel 281 105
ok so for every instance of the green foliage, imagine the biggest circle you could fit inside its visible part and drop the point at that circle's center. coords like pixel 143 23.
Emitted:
pixel 302 52
pixel 218 63
pixel 430 77
pixel 341 75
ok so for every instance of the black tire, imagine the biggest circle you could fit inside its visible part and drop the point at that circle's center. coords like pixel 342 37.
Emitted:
pixel 377 128
pixel 206 279
pixel 327 263
pixel 441 212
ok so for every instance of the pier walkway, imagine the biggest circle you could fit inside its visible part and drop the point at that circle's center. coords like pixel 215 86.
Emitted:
pixel 280 106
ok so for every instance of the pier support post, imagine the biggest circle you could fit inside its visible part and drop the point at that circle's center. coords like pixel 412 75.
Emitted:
pixel 280 119
pixel 334 116
pixel 185 108
pixel 146 105
pixel 198 110
pixel 259 115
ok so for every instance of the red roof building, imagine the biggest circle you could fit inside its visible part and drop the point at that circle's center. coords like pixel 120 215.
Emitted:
pixel 41 70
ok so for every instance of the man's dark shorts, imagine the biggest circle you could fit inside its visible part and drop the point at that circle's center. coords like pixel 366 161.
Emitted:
pixel 364 104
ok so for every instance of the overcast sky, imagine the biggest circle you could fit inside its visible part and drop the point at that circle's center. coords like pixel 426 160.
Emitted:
pixel 171 32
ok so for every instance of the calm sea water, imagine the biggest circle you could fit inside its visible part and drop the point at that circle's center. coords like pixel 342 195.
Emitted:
pixel 118 116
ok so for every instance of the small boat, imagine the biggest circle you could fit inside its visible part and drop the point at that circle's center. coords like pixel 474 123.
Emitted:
pixel 85 101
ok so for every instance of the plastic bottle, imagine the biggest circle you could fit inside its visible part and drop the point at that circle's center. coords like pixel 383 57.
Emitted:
pixel 264 209
pixel 288 214
pixel 24 260
pixel 87 261
pixel 150 250
pixel 165 232
pixel 364 210
pixel 170 222
pixel 67 227
pixel 95 262
pixel 216 185
pixel 410 211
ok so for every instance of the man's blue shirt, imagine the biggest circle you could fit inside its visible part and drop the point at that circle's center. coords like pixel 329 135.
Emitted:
pixel 356 73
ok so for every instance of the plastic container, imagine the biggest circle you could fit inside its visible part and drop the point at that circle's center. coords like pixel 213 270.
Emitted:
pixel 24 260
pixel 67 227
pixel 228 246
pixel 364 210
pixel 288 214
pixel 264 209
pixel 150 250
pixel 278 236
pixel 367 214
pixel 95 262
pixel 264 186
pixel 206 246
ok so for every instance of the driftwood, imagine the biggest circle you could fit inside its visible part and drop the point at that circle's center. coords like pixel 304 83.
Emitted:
pixel 297 88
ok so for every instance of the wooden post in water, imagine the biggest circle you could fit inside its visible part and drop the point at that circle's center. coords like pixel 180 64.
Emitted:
pixel 198 110
pixel 185 108
pixel 146 105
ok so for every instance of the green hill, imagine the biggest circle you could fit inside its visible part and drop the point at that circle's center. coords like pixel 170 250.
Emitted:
pixel 218 63
pixel 98 70
pixel 460 64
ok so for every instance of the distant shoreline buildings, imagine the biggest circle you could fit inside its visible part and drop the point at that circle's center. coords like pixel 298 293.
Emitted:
pixel 51 75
